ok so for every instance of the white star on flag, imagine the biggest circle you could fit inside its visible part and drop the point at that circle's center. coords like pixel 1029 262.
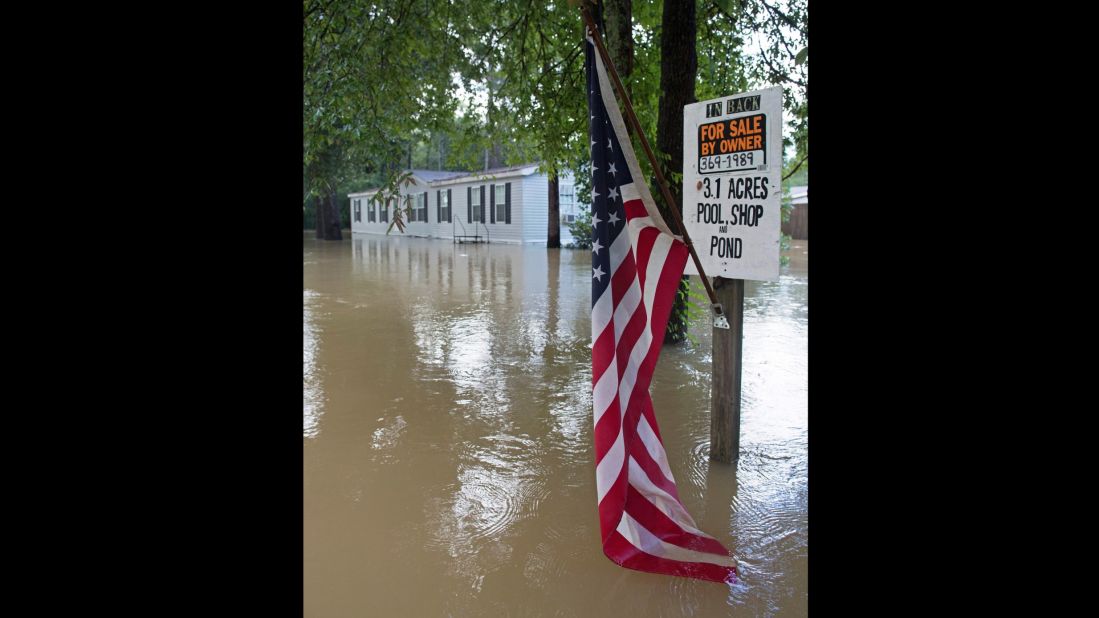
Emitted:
pixel 613 193
pixel 609 145
pixel 596 246
pixel 595 220
pixel 598 272
pixel 614 217
pixel 612 170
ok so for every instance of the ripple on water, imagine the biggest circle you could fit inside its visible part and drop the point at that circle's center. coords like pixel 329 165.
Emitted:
pixel 479 509
pixel 386 438
pixel 482 505
pixel 699 464
pixel 547 563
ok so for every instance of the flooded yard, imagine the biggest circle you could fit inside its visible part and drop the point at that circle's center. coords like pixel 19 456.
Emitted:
pixel 447 439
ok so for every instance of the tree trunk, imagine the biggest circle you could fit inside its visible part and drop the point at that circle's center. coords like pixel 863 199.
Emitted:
pixel 618 15
pixel 321 173
pixel 553 241
pixel 492 156
pixel 618 18
pixel 332 218
pixel 678 67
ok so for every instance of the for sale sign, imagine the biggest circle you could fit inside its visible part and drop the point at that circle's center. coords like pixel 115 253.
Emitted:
pixel 732 185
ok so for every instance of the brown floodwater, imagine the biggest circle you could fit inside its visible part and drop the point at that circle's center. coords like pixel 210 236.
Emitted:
pixel 447 439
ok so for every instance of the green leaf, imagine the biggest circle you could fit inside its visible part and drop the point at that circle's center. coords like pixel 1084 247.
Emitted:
pixel 802 55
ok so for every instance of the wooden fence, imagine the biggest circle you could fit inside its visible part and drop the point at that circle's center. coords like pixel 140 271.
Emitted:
pixel 798 225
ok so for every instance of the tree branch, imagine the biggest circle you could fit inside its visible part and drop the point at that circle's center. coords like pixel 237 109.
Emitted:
pixel 796 167
pixel 782 17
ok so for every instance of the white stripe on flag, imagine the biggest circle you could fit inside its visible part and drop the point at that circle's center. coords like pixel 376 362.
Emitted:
pixel 605 388
pixel 606 473
pixel 626 307
pixel 629 192
pixel 661 247
pixel 601 315
pixel 620 248
pixel 655 448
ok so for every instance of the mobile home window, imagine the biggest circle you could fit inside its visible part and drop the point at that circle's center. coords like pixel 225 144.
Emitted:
pixel 371 211
pixel 444 206
pixel 421 204
pixel 384 215
pixel 501 203
pixel 359 210
pixel 568 196
pixel 475 204
pixel 568 204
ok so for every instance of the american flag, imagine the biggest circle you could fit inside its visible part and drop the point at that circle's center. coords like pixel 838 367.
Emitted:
pixel 636 266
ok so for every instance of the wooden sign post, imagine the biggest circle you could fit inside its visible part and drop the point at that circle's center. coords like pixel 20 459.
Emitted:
pixel 725 396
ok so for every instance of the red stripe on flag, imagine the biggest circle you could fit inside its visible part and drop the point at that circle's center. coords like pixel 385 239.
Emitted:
pixel 646 240
pixel 635 209
pixel 607 430
pixel 634 328
pixel 613 504
pixel 602 351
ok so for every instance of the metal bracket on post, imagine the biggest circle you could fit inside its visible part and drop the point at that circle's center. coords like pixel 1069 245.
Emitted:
pixel 720 320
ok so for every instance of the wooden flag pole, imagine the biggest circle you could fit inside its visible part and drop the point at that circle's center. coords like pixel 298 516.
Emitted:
pixel 717 307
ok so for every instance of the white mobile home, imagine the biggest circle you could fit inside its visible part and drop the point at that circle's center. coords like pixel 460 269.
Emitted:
pixel 509 204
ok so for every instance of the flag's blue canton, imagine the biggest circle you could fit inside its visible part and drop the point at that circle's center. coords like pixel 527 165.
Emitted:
pixel 609 172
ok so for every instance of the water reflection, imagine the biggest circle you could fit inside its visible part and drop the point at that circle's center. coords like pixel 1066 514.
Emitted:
pixel 454 384
pixel 313 396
